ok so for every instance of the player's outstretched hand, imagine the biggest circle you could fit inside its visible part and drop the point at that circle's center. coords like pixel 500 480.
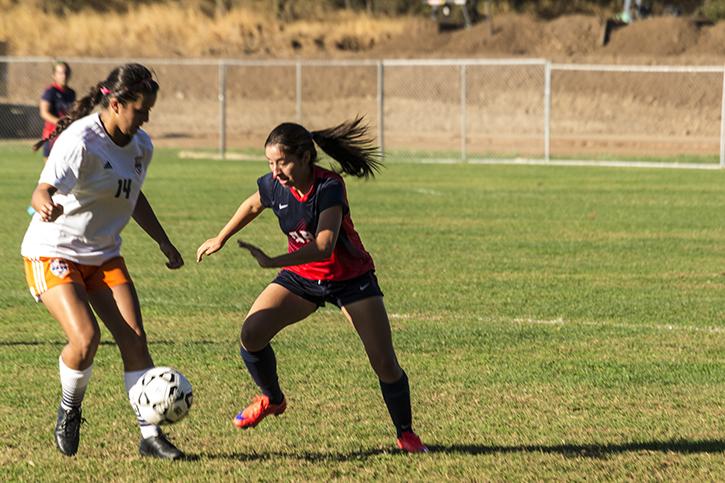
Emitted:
pixel 173 255
pixel 50 211
pixel 262 258
pixel 212 245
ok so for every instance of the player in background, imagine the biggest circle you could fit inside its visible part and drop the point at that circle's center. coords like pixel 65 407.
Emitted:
pixel 56 102
pixel 326 262
pixel 88 190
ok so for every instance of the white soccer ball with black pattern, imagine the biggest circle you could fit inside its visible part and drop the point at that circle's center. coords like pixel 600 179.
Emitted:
pixel 161 396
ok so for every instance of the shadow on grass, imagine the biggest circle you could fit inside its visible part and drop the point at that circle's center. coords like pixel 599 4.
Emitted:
pixel 590 450
pixel 569 450
pixel 309 456
pixel 58 343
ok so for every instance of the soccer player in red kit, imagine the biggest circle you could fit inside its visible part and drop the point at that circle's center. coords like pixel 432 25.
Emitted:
pixel 326 262
pixel 56 102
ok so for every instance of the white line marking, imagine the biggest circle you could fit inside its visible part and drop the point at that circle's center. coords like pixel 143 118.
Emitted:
pixel 594 163
pixel 427 191
pixel 561 321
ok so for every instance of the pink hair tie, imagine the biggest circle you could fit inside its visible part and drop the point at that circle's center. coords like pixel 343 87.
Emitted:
pixel 105 91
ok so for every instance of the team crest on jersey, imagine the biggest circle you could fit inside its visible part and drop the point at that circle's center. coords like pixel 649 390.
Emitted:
pixel 137 164
pixel 59 268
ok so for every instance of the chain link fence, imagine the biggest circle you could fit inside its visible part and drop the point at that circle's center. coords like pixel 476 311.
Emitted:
pixel 419 109
pixel 639 112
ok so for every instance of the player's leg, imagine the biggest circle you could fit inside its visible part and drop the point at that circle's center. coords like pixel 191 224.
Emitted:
pixel 370 320
pixel 68 304
pixel 59 285
pixel 274 309
pixel 114 299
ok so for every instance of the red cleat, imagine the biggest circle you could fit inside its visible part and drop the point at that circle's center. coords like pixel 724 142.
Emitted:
pixel 259 409
pixel 410 442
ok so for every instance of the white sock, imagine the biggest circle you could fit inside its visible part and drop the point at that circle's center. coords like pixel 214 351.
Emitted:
pixel 129 379
pixel 73 384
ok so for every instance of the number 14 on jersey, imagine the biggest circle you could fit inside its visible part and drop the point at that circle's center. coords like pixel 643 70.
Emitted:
pixel 124 187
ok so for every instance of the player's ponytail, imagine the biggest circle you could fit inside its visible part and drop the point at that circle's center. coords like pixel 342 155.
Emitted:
pixel 348 143
pixel 125 83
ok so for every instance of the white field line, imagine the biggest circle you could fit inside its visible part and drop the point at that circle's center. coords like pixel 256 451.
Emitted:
pixel 231 156
pixel 590 163
pixel 560 322
pixel 217 157
pixel 656 327
pixel 427 191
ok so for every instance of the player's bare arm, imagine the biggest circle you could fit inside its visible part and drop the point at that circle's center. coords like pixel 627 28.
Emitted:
pixel 146 219
pixel 319 248
pixel 245 214
pixel 45 113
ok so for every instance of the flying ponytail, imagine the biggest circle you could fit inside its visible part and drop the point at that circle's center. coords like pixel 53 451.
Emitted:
pixel 348 143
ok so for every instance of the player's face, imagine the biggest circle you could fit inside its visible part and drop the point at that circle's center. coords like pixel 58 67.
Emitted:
pixel 289 170
pixel 132 115
pixel 60 75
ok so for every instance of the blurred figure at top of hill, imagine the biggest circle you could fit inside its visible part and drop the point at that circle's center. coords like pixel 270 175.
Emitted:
pixel 55 102
pixel 640 11
pixel 625 17
pixel 445 13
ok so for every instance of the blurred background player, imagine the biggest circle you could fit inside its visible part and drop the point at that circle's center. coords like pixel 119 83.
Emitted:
pixel 326 262
pixel 56 102
pixel 88 190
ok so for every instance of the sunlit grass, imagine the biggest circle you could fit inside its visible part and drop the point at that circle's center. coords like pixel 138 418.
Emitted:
pixel 556 324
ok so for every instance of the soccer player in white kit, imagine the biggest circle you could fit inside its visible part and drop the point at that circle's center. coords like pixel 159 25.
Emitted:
pixel 88 190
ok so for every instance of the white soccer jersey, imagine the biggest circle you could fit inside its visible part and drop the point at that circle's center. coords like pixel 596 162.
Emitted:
pixel 98 184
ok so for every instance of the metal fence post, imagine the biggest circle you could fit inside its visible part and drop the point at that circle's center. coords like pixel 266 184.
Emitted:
pixel 298 91
pixel 381 108
pixel 222 109
pixel 464 112
pixel 722 122
pixel 547 111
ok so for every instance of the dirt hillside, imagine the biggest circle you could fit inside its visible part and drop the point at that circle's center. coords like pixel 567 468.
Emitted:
pixel 570 38
pixel 641 114
pixel 170 31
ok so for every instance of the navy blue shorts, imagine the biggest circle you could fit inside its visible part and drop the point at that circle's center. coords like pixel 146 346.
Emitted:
pixel 339 293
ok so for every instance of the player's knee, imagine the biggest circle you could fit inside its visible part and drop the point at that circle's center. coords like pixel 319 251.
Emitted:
pixel 387 368
pixel 249 338
pixel 86 345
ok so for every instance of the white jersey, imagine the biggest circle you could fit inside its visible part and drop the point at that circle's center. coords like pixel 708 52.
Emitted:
pixel 98 183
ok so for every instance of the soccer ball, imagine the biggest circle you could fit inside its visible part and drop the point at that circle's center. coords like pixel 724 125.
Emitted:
pixel 161 396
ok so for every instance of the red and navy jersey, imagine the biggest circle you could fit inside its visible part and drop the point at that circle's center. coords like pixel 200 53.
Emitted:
pixel 298 217
pixel 61 100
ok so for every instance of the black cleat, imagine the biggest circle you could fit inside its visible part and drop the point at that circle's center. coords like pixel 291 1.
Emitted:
pixel 68 430
pixel 160 447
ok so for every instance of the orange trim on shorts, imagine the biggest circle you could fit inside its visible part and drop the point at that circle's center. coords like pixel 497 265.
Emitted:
pixel 44 273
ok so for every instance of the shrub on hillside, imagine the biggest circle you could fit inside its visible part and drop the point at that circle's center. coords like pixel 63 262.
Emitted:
pixel 714 9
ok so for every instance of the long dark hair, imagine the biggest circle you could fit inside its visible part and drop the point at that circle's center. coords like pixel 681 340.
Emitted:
pixel 348 143
pixel 126 83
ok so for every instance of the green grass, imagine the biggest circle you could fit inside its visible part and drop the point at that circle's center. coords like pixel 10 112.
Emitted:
pixel 556 324
pixel 454 156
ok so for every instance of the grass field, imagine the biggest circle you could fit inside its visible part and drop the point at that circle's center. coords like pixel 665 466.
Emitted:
pixel 555 323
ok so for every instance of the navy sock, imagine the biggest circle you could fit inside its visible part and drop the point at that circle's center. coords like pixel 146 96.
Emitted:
pixel 397 399
pixel 262 366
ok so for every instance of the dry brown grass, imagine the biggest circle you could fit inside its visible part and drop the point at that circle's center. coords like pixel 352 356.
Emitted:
pixel 166 30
